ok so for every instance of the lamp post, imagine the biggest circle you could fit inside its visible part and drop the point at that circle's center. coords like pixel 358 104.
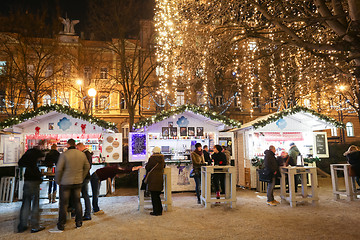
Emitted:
pixel 92 94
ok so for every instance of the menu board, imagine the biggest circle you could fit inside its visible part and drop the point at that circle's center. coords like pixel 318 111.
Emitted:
pixel 321 145
pixel 11 150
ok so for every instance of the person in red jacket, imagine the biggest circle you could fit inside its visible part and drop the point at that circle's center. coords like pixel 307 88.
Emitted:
pixel 103 174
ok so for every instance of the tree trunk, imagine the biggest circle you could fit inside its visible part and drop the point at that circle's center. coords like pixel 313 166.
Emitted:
pixel 131 111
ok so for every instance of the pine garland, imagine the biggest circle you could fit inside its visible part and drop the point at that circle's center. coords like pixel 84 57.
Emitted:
pixel 188 107
pixel 296 109
pixel 60 109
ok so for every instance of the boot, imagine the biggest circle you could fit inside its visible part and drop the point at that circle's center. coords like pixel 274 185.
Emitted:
pixel 49 197
pixel 54 197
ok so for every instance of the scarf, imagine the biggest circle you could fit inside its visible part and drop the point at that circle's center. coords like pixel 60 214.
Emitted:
pixel 200 153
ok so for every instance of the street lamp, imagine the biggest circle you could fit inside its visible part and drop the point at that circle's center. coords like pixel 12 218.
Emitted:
pixel 92 94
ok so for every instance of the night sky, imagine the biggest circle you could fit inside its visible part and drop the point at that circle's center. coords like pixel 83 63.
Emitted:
pixel 74 9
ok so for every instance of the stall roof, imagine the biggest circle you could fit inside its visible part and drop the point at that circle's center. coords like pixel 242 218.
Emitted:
pixel 303 115
pixel 210 116
pixel 44 112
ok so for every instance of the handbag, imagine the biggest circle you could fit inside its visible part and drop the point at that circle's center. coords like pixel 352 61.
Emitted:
pixel 265 175
pixel 145 180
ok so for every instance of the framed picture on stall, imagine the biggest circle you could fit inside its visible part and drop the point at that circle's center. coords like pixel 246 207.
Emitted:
pixel 183 131
pixel 165 131
pixel 173 131
pixel 51 126
pixel 170 124
pixel 199 131
pixel 191 131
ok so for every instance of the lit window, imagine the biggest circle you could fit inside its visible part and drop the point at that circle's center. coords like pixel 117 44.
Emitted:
pixel 103 73
pixel 252 46
pixel 350 129
pixel 159 71
pixel 2 98
pixel 180 98
pixel 48 71
pixel 334 132
pixel 2 67
pixel 125 130
pixel 46 100
pixel 30 70
pixel 307 103
pixel 218 100
pixel 200 98
pixel 122 102
pixel 65 98
pixel 66 70
pixel 28 102
pixel 104 102
pixel 256 99
pixel 87 74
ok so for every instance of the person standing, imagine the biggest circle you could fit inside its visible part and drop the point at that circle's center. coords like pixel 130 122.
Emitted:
pixel 154 172
pixel 108 172
pixel 31 190
pixel 227 154
pixel 198 160
pixel 271 166
pixel 51 160
pixel 85 186
pixel 206 153
pixel 70 173
pixel 294 153
pixel 353 157
pixel 219 178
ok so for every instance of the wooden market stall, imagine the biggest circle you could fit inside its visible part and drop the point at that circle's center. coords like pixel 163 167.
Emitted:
pixel 56 124
pixel 176 132
pixel 298 125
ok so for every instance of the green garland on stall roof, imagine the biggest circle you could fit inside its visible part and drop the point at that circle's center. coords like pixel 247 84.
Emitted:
pixel 57 108
pixel 294 110
pixel 188 107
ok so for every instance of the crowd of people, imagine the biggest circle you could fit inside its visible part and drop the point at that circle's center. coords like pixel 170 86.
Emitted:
pixel 72 173
pixel 273 164
pixel 201 157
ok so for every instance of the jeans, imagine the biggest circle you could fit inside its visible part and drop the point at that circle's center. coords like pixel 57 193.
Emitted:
pixel 30 202
pixel 357 179
pixel 65 192
pixel 52 185
pixel 270 190
pixel 95 186
pixel 197 179
pixel 156 202
pixel 85 195
pixel 219 181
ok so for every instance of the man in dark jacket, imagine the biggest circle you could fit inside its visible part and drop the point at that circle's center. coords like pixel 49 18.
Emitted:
pixel 207 155
pixel 219 178
pixel 71 171
pixel 103 174
pixel 50 162
pixel 85 188
pixel 31 190
pixel 271 166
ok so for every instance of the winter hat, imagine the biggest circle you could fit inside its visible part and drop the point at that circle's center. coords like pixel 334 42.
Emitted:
pixel 292 144
pixel 156 150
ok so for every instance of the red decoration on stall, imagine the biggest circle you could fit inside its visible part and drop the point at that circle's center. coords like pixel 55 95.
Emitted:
pixel 37 130
pixel 83 126
pixel 76 124
pixel 94 127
